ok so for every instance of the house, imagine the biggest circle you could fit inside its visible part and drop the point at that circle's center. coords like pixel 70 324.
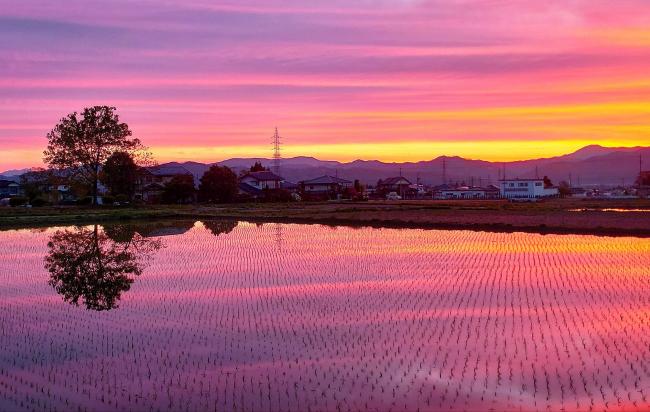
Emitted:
pixel 247 190
pixel 329 186
pixel 9 188
pixel 151 181
pixel 461 192
pixel 466 192
pixel 526 189
pixel 398 184
pixel 492 192
pixel 290 186
pixel 579 192
pixel 262 180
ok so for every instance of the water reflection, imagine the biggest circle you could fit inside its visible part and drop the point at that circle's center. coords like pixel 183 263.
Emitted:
pixel 125 232
pixel 87 265
pixel 218 227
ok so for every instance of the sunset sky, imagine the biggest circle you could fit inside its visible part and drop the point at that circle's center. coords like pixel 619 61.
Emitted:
pixel 392 80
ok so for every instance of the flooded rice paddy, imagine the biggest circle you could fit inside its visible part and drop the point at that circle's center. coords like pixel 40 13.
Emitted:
pixel 223 316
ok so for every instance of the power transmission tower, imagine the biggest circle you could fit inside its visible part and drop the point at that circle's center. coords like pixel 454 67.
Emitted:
pixel 277 156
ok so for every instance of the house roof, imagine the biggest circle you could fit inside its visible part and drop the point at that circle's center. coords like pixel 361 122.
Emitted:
pixel 264 175
pixel 464 189
pixel 522 180
pixel 444 186
pixel 168 170
pixel 288 185
pixel 246 188
pixel 153 187
pixel 395 180
pixel 325 180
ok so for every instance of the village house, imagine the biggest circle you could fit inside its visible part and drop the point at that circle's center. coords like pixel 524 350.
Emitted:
pixel 467 192
pixel 9 188
pixel 330 186
pixel 151 181
pixel 526 189
pixel 398 184
pixel 262 180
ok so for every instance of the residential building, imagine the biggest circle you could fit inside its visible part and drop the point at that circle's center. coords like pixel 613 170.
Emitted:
pixel 262 180
pixel 151 181
pixel 526 188
pixel 461 192
pixel 466 192
pixel 9 188
pixel 325 186
pixel 398 184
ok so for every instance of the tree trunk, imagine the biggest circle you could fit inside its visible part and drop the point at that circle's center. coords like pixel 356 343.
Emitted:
pixel 95 178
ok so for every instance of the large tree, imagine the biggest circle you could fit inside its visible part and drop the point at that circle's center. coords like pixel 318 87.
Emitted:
pixel 119 174
pixel 81 144
pixel 180 189
pixel 218 185
pixel 258 167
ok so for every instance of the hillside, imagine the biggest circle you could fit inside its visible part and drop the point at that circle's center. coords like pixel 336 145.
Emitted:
pixel 590 165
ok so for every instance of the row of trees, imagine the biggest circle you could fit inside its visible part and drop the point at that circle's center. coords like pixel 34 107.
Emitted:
pixel 94 146
pixel 218 184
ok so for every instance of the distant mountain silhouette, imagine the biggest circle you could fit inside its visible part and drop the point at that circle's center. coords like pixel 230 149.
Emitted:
pixel 590 165
pixel 13 174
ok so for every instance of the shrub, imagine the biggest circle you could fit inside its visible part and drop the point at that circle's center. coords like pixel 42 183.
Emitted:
pixel 85 201
pixel 180 189
pixel 18 201
pixel 108 200
pixel 277 195
pixel 121 198
pixel 40 202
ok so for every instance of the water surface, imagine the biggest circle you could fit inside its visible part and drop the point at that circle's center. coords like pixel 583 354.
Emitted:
pixel 237 316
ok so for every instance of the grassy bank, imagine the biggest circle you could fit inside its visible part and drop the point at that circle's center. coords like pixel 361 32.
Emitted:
pixel 556 216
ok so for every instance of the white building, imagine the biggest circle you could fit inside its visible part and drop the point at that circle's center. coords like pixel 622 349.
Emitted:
pixel 262 180
pixel 526 188
pixel 467 192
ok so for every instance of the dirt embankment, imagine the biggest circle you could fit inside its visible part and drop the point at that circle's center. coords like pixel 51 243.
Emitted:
pixel 559 216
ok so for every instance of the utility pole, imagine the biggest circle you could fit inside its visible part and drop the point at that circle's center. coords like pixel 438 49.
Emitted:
pixel 277 156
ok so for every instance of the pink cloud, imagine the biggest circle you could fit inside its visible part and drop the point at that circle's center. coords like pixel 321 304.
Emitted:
pixel 222 74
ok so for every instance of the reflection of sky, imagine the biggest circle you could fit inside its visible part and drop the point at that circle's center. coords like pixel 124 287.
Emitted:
pixel 446 319
pixel 394 80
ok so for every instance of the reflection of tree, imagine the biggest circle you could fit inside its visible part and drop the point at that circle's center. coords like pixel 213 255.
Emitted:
pixel 124 232
pixel 217 227
pixel 85 264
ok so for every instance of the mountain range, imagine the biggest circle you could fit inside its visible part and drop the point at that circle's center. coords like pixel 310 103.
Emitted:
pixel 591 165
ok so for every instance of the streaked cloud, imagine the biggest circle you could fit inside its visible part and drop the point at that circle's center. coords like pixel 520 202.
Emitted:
pixel 386 77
